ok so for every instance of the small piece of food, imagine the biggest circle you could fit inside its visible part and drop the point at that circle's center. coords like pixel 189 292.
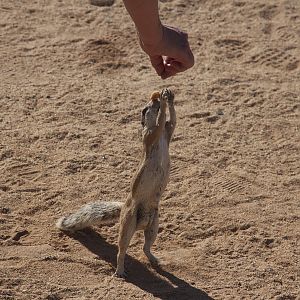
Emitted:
pixel 155 96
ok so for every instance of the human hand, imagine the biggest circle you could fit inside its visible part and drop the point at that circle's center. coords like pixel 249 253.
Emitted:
pixel 170 53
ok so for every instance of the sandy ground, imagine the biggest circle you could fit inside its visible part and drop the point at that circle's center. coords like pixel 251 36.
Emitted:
pixel 73 83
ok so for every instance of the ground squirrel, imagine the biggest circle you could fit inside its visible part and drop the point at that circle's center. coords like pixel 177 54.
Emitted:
pixel 140 211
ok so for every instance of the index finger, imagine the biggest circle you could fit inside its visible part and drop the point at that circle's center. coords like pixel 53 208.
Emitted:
pixel 158 64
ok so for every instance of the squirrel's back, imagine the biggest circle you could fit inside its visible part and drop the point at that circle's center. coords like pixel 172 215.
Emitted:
pixel 95 213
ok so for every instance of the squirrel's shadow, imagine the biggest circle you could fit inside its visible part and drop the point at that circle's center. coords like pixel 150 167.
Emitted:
pixel 170 288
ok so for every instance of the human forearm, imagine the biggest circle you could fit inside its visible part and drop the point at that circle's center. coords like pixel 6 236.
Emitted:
pixel 145 16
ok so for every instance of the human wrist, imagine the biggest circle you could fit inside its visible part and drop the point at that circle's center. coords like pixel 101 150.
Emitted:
pixel 151 36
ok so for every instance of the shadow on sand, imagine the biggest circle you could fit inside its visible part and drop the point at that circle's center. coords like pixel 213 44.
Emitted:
pixel 166 286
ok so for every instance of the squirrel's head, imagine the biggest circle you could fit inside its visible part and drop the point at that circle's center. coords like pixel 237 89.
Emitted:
pixel 150 111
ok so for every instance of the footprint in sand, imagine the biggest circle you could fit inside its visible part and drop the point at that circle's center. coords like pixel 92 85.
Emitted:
pixel 234 183
pixel 286 33
pixel 275 58
pixel 232 48
pixel 104 55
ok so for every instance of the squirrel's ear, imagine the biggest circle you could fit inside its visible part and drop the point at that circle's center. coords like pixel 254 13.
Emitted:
pixel 155 96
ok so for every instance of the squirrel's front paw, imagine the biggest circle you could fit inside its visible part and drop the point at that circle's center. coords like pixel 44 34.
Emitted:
pixel 168 96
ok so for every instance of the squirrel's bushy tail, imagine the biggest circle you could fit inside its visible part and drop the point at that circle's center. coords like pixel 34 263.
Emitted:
pixel 91 214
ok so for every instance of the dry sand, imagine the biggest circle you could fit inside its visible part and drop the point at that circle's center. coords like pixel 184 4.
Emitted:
pixel 73 82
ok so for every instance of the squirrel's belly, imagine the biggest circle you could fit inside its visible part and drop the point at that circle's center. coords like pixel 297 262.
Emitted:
pixel 153 180
pixel 154 174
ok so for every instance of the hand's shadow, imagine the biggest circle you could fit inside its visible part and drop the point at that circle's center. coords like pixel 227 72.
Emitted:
pixel 170 288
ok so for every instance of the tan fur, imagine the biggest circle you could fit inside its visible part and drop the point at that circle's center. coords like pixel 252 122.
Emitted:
pixel 141 209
